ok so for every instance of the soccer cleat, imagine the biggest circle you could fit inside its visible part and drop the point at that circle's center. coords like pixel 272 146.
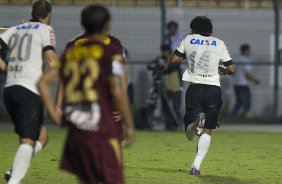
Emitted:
pixel 8 175
pixel 196 129
pixel 200 123
pixel 190 132
pixel 195 172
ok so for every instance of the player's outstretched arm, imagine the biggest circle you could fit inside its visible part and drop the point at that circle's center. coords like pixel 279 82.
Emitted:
pixel 122 103
pixel 51 75
pixel 44 83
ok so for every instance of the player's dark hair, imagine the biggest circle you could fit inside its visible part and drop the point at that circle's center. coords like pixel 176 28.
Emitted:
pixel 165 48
pixel 244 47
pixel 40 9
pixel 171 24
pixel 202 25
pixel 94 18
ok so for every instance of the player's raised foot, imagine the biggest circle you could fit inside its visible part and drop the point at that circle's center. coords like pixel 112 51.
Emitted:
pixel 8 175
pixel 190 132
pixel 195 129
pixel 200 123
pixel 195 172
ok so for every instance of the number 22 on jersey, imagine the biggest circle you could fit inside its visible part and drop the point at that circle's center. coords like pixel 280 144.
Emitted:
pixel 85 72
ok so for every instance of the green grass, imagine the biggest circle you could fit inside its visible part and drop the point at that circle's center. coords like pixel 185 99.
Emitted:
pixel 163 158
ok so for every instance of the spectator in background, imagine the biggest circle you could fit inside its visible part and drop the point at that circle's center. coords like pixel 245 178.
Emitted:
pixel 241 82
pixel 173 38
pixel 171 98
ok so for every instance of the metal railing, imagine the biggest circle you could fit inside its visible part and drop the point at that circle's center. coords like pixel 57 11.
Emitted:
pixel 262 94
pixel 168 3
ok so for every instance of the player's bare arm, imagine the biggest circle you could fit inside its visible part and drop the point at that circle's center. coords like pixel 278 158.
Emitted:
pixel 50 57
pixel 124 81
pixel 3 66
pixel 59 97
pixel 175 59
pixel 122 102
pixel 229 70
pixel 51 75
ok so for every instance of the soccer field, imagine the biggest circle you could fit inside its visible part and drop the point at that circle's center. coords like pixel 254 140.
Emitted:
pixel 164 157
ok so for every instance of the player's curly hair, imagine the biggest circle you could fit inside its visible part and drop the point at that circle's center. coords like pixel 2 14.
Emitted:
pixel 40 9
pixel 201 25
pixel 94 18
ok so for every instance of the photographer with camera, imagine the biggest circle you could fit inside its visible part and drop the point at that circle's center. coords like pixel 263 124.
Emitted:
pixel 167 85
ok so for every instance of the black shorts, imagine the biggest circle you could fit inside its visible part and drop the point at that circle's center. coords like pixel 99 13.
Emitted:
pixel 203 98
pixel 26 111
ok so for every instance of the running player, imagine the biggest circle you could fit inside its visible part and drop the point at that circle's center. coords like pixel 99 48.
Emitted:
pixel 115 44
pixel 203 97
pixel 29 44
pixel 90 74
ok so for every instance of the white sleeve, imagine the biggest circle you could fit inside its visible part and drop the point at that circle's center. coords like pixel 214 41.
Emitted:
pixel 6 36
pixel 49 38
pixel 117 69
pixel 181 47
pixel 224 54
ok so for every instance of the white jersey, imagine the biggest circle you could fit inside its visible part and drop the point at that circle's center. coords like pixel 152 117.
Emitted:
pixel 26 44
pixel 204 54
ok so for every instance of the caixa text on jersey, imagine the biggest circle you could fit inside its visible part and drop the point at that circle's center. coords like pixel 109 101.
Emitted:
pixel 202 42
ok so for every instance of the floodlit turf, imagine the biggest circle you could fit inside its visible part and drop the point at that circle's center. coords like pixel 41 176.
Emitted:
pixel 163 158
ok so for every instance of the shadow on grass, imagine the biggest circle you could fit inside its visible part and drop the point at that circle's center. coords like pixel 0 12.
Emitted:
pixel 222 180
pixel 204 179
pixel 157 169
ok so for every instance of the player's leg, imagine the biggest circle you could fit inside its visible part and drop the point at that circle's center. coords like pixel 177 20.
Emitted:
pixel 21 160
pixel 196 128
pixel 202 150
pixel 212 104
pixel 38 146
pixel 42 141
pixel 23 107
pixel 193 109
pixel 111 162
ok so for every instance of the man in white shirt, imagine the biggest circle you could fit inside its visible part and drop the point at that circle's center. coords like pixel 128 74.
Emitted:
pixel 29 45
pixel 203 97
pixel 241 82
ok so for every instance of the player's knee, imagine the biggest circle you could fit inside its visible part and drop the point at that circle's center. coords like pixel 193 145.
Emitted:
pixel 43 137
pixel 207 131
pixel 27 141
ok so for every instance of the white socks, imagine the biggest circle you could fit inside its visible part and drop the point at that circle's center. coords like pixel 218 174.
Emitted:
pixel 21 163
pixel 37 148
pixel 203 147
